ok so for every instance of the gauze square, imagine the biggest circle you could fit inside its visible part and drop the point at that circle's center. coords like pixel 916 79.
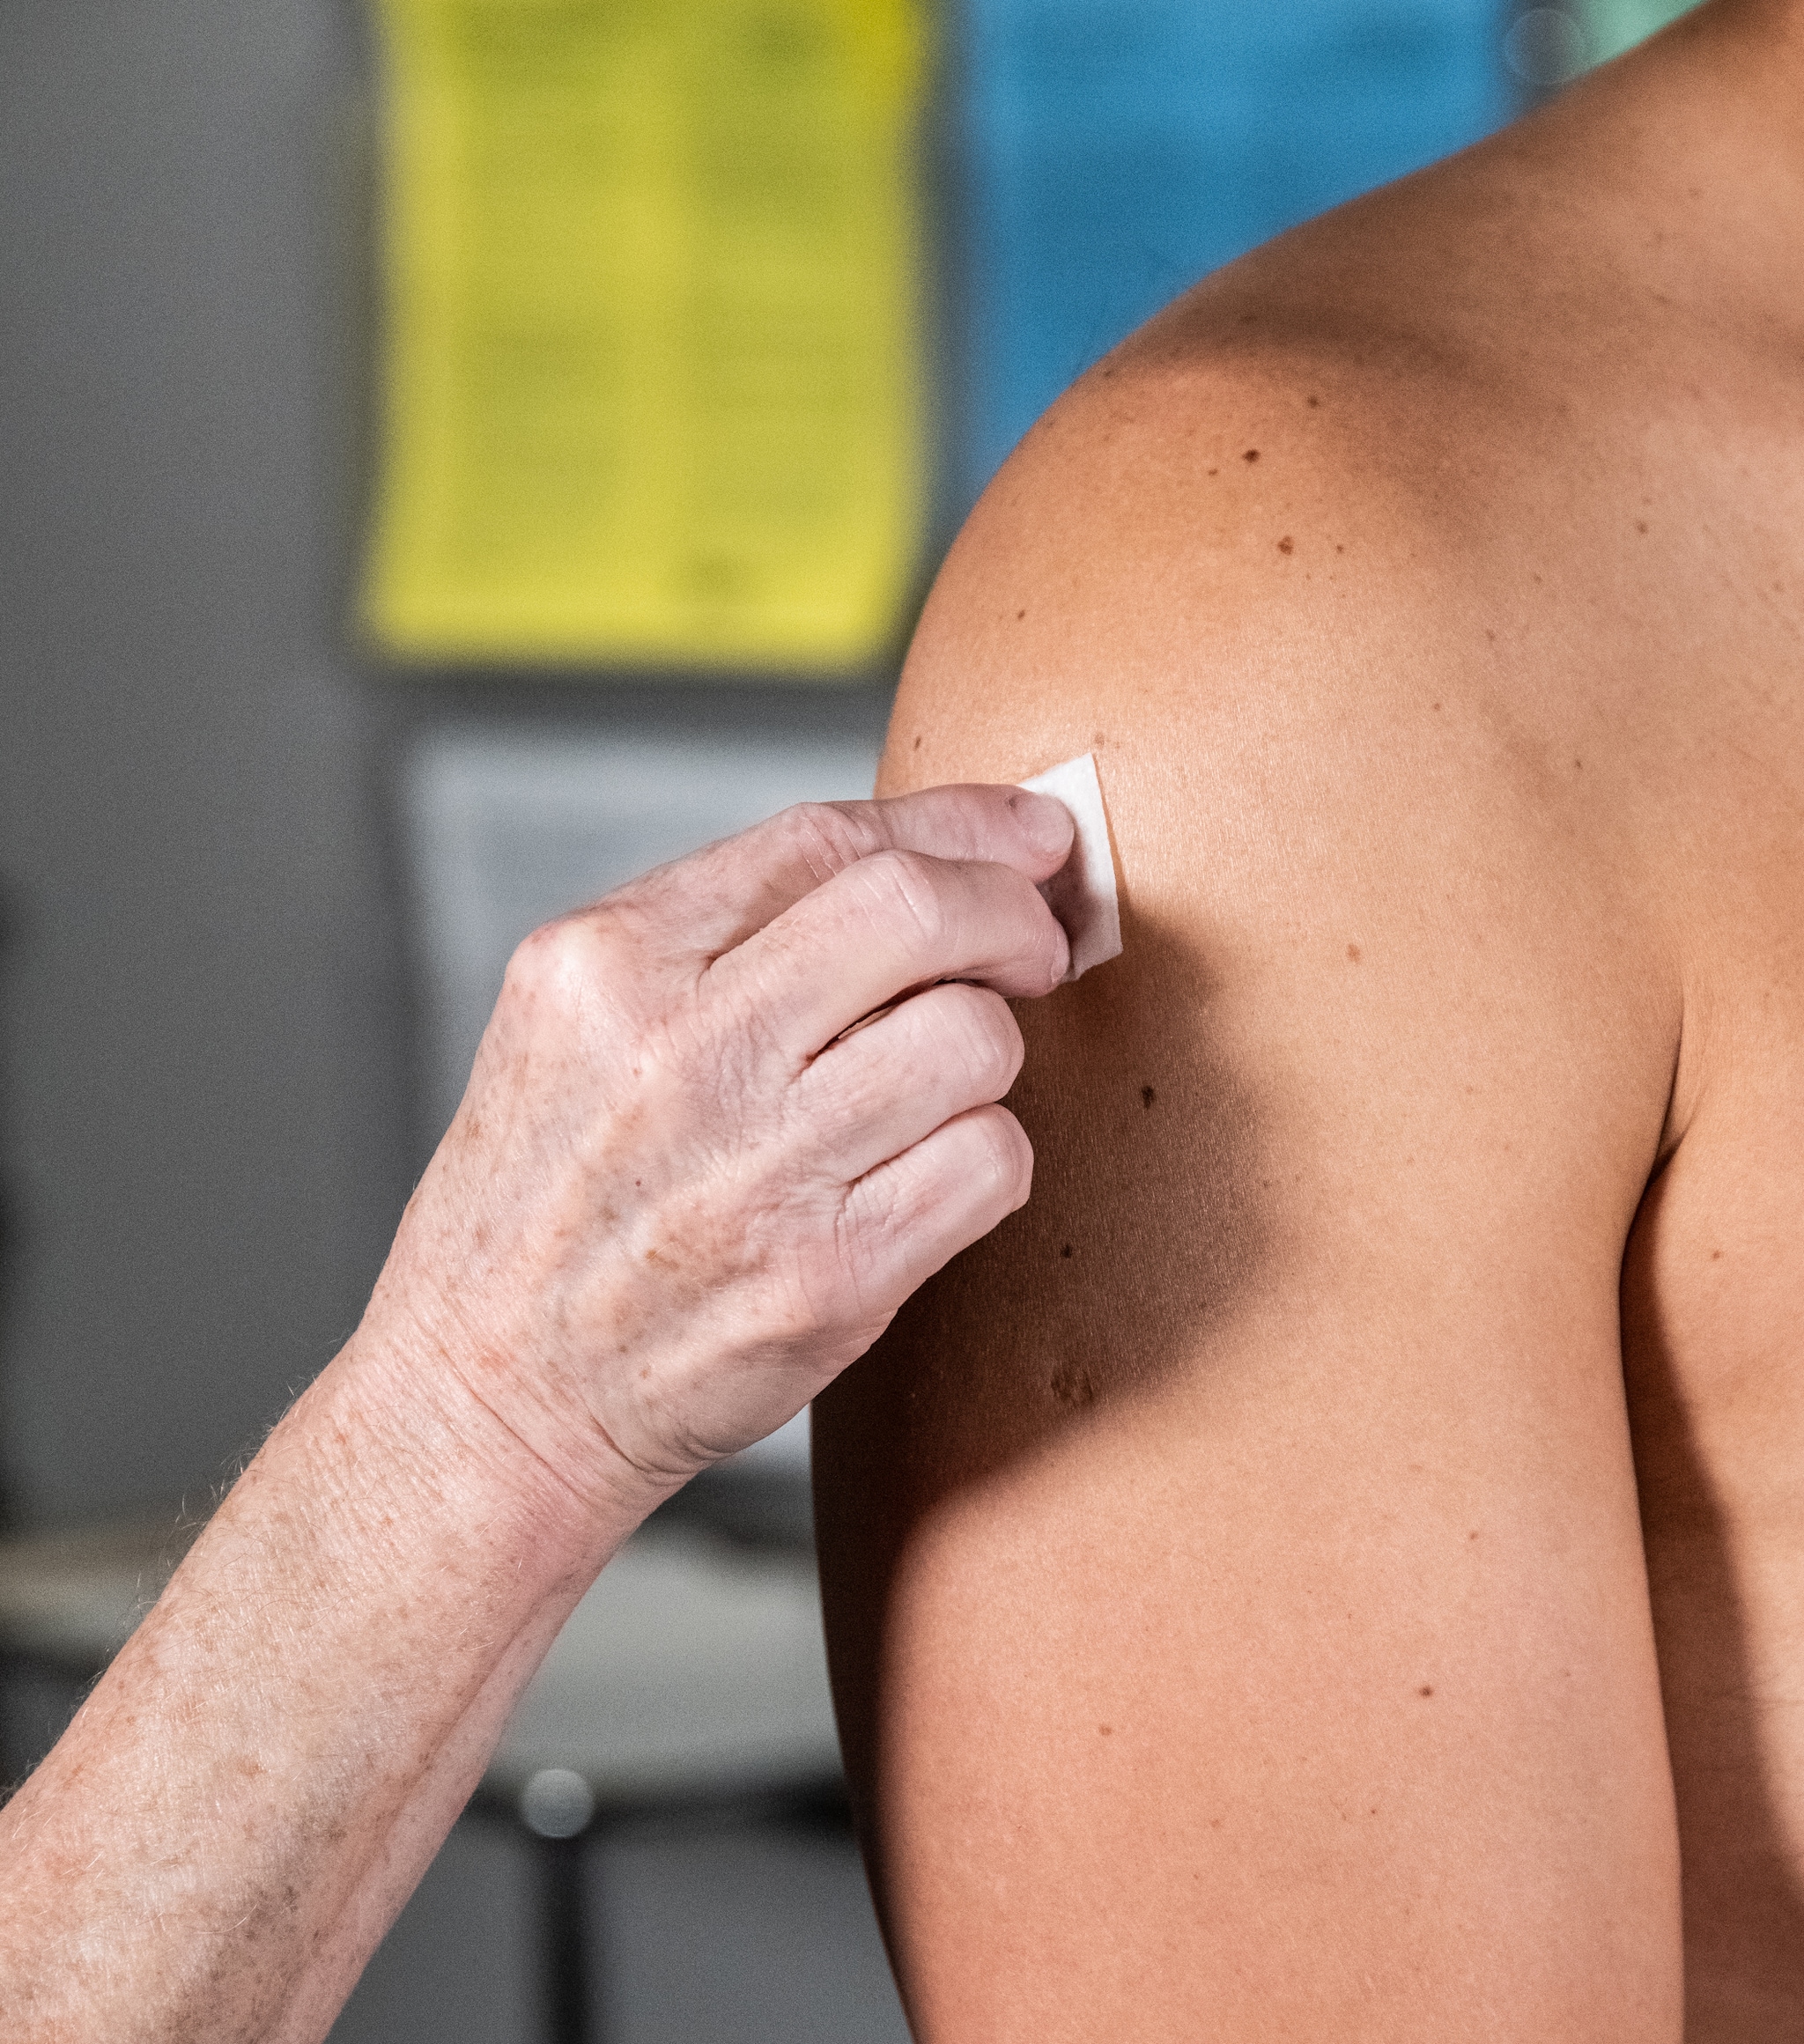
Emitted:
pixel 1082 894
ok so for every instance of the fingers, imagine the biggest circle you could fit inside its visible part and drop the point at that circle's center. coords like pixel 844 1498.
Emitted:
pixel 914 1213
pixel 933 1057
pixel 717 897
pixel 894 921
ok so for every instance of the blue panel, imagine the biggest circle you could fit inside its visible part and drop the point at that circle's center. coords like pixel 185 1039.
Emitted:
pixel 1119 149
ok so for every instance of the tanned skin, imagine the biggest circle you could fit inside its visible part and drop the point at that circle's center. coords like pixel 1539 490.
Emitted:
pixel 1331 1567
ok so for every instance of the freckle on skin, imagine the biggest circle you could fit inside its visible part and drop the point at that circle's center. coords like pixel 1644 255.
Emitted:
pixel 1715 1255
pixel 1019 614
pixel 1147 1096
pixel 1313 402
pixel 1251 455
pixel 1105 1730
pixel 1065 1250
pixel 1427 1689
pixel 1354 953
pixel 1641 525
pixel 1287 545
pixel 1074 1387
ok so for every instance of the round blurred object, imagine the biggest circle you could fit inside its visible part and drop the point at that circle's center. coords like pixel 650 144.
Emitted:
pixel 1545 46
pixel 556 1803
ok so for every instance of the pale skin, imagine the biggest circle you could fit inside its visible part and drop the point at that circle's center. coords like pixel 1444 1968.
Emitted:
pixel 677 1198
pixel 1331 1567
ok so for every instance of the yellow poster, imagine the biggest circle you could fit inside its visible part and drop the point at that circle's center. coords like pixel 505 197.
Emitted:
pixel 650 389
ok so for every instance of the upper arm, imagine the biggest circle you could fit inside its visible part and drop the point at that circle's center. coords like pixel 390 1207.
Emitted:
pixel 1232 1564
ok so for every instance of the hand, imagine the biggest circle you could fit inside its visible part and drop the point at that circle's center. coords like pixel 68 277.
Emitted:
pixel 725 1121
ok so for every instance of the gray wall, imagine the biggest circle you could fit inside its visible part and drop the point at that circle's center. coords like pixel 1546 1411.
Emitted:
pixel 207 1120
pixel 200 1044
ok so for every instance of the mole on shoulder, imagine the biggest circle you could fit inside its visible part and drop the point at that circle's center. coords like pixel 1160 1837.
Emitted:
pixel 1312 403
pixel 1354 953
pixel 1065 1250
pixel 1251 455
pixel 1287 545
pixel 1147 1096
pixel 916 746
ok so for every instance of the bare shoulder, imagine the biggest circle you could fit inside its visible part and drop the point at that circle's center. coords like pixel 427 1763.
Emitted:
pixel 1207 1553
pixel 1234 1564
pixel 1362 763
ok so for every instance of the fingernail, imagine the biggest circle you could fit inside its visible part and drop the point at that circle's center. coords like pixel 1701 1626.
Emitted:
pixel 1045 821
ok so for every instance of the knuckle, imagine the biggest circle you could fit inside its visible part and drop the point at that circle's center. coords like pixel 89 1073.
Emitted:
pixel 550 963
pixel 828 837
pixel 563 965
pixel 907 891
pixel 985 1038
pixel 1004 1155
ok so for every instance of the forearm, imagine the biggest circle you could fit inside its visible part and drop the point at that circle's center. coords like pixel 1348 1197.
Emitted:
pixel 415 1836
pixel 683 1191
pixel 218 1841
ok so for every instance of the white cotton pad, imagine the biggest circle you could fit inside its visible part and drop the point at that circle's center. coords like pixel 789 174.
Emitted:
pixel 1081 893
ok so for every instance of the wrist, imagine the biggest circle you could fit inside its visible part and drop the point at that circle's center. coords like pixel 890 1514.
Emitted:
pixel 545 1484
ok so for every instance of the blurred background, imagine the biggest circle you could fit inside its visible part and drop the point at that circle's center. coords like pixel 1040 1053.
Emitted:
pixel 453 454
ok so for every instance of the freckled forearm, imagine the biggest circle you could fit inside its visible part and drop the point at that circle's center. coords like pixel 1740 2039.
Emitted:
pixel 248 1796
pixel 587 1302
